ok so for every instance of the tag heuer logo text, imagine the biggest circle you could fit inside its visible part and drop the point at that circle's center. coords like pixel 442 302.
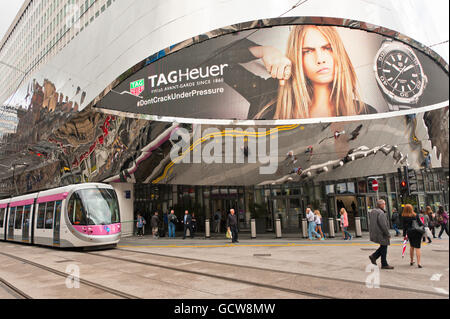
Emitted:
pixel 137 87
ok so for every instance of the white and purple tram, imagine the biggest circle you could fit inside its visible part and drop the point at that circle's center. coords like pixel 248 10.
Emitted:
pixel 82 215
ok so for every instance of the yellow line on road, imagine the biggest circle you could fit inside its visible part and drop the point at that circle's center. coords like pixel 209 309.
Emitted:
pixel 241 245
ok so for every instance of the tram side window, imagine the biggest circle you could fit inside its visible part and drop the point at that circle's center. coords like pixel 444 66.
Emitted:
pixel 2 217
pixel 26 216
pixel 58 205
pixel 12 213
pixel 49 215
pixel 40 216
pixel 18 221
pixel 77 215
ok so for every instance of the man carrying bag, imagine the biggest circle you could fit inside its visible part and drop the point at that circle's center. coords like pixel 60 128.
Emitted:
pixel 379 233
pixel 232 223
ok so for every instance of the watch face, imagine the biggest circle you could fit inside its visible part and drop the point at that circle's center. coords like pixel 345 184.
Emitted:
pixel 399 72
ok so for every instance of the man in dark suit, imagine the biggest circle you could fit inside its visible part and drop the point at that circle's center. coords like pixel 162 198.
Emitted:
pixel 187 221
pixel 379 233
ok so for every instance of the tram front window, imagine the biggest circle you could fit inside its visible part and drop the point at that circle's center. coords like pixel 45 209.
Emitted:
pixel 93 207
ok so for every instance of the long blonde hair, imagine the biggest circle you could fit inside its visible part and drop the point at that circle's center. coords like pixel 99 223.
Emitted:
pixel 295 96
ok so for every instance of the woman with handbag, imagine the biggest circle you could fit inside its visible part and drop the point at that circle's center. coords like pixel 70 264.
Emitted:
pixel 414 228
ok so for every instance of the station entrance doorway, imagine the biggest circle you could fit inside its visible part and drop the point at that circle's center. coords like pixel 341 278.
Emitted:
pixel 353 206
pixel 289 210
pixel 222 202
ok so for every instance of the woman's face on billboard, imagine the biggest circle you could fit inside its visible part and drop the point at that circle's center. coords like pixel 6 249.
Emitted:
pixel 317 57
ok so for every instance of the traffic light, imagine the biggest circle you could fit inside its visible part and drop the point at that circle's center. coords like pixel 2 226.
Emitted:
pixel 403 183
pixel 404 187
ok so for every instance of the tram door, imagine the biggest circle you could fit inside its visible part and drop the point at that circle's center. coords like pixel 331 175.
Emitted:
pixel 11 219
pixel 26 224
pixel 57 223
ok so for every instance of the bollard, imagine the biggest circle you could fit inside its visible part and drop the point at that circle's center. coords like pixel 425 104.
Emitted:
pixel 331 227
pixel 358 226
pixel 253 228
pixel 278 228
pixel 207 228
pixel 304 228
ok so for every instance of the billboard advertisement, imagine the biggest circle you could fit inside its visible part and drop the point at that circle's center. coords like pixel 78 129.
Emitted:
pixel 282 74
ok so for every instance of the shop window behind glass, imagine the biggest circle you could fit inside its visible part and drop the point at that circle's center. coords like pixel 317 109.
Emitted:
pixel 329 189
pixel 392 184
pixel 341 188
pixel 351 188
pixel 362 186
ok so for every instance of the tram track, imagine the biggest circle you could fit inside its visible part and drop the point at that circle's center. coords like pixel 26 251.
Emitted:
pixel 402 289
pixel 108 290
pixel 13 290
pixel 279 282
pixel 215 276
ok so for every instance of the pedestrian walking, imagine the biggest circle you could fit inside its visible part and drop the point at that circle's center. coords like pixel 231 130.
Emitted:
pixel 395 218
pixel 173 220
pixel 414 229
pixel 442 219
pixel 232 223
pixel 217 219
pixel 311 224
pixel 379 233
pixel 432 222
pixel 344 224
pixel 318 221
pixel 425 221
pixel 187 221
pixel 165 224
pixel 140 222
pixel 194 225
pixel 155 225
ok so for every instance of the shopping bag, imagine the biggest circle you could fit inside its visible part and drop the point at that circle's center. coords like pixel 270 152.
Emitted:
pixel 428 232
pixel 228 235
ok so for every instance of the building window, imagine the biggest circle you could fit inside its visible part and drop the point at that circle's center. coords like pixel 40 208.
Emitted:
pixel 329 189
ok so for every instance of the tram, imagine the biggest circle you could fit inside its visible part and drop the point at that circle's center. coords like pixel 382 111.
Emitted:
pixel 82 215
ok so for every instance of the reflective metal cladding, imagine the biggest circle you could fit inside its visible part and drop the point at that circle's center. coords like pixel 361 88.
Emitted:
pixel 296 102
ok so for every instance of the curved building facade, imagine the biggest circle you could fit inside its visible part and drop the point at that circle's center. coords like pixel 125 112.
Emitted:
pixel 261 106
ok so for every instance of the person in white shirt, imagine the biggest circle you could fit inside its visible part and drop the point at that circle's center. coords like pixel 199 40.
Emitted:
pixel 311 224
pixel 318 221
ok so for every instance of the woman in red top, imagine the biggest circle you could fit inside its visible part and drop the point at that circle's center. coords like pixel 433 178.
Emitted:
pixel 344 224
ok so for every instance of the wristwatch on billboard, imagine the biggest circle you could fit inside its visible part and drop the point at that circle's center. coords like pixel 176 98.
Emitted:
pixel 399 75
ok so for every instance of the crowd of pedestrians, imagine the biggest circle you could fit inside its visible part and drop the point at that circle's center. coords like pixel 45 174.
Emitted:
pixel 417 227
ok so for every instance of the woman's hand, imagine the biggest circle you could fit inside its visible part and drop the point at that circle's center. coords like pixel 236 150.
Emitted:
pixel 276 63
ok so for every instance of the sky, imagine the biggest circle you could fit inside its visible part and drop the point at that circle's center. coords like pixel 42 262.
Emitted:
pixel 439 9
pixel 8 9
